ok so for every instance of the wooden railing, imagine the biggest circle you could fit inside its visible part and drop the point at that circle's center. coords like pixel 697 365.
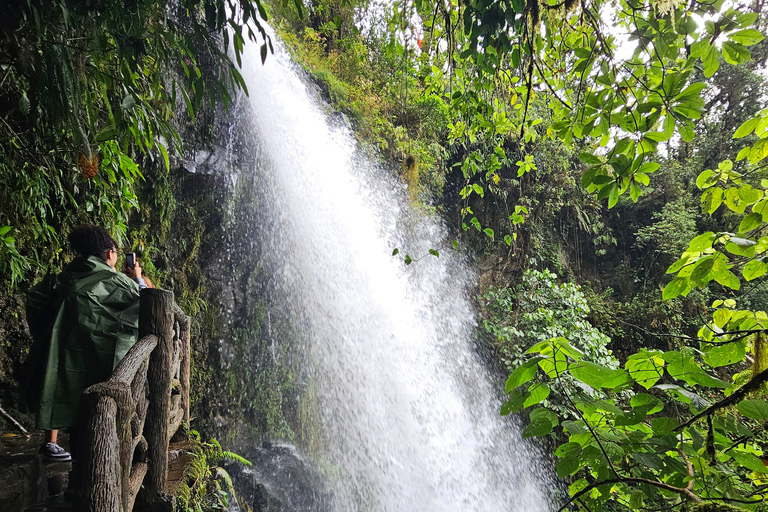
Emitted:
pixel 133 415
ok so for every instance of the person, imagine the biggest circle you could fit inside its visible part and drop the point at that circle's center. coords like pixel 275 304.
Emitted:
pixel 85 320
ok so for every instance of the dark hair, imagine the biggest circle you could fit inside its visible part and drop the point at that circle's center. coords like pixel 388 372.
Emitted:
pixel 89 240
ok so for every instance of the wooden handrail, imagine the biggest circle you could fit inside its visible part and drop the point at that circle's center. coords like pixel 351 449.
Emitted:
pixel 133 414
pixel 128 367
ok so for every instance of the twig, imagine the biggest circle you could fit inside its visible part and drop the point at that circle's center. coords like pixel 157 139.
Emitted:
pixel 14 422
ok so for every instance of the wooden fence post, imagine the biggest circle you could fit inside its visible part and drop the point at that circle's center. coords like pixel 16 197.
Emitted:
pixel 101 471
pixel 156 317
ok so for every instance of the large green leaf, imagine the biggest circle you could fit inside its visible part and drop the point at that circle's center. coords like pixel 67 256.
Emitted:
pixel 676 287
pixel 750 222
pixel 754 269
pixel 746 37
pixel 645 367
pixel 723 355
pixel 598 376
pixel 537 393
pixel 755 409
pixel 522 374
pixel 542 421
pixel 749 461
pixel 735 53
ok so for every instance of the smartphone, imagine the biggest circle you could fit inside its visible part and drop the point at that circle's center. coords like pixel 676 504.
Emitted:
pixel 130 259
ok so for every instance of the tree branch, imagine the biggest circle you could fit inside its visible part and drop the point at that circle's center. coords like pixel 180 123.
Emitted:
pixel 633 480
pixel 737 396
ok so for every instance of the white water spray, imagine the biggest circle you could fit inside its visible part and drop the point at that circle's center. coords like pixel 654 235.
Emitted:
pixel 408 416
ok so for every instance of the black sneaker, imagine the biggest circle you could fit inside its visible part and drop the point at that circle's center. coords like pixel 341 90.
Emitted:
pixel 54 452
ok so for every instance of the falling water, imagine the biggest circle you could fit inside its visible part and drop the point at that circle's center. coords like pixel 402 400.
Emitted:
pixel 408 418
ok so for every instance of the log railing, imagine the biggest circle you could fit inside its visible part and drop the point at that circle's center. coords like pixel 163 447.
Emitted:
pixel 133 415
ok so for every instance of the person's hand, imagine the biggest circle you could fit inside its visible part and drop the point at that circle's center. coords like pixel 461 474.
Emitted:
pixel 135 272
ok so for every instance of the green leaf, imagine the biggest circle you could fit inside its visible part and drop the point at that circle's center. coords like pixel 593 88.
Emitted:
pixel 645 367
pixel 754 269
pixel 567 449
pixel 577 486
pixel 597 376
pixel 538 393
pixel 711 62
pixel 569 464
pixel 395 251
pixel 489 232
pixel 711 199
pixel 649 168
pixel 735 53
pixel 646 403
pixel 128 102
pixel 755 409
pixel 663 426
pixel 728 279
pixel 750 222
pixel 707 179
pixel 746 37
pixel 702 242
pixel 515 402
pixel 702 269
pixel 675 287
pixel 613 196
pixel 636 500
pixel 542 422
pixel 746 128
pixel 723 355
pixel 749 461
pixel 589 158
pixel 522 374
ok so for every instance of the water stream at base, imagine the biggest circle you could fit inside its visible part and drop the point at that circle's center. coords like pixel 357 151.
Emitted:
pixel 408 418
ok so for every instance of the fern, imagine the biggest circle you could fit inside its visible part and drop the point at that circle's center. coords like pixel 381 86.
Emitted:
pixel 207 486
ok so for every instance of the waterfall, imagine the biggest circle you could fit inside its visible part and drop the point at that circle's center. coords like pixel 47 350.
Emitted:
pixel 407 415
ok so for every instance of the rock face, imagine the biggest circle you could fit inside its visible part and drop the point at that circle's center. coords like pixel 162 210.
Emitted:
pixel 247 382
pixel 281 480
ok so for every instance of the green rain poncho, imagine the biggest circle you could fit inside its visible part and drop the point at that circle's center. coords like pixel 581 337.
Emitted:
pixel 96 323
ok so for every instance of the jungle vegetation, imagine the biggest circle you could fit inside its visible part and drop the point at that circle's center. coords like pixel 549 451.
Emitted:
pixel 603 159
pixel 620 145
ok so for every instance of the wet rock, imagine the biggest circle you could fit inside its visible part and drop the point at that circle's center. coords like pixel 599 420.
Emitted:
pixel 281 480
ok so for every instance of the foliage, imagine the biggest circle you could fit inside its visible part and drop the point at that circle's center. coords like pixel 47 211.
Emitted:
pixel 652 446
pixel 686 434
pixel 670 232
pixel 90 94
pixel 630 99
pixel 207 486
pixel 539 309
pixel 665 428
